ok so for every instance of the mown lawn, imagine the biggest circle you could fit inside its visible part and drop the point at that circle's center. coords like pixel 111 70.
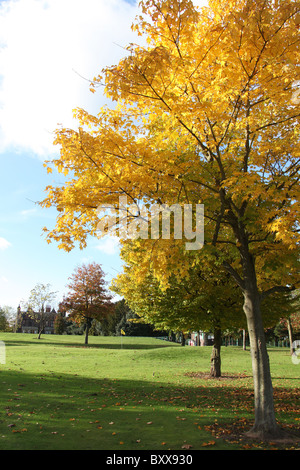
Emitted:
pixel 56 394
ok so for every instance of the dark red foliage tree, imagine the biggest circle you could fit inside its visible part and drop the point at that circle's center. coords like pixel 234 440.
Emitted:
pixel 88 298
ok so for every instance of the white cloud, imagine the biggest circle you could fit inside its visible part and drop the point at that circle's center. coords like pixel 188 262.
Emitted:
pixel 46 47
pixel 28 213
pixel 43 43
pixel 4 244
pixel 109 245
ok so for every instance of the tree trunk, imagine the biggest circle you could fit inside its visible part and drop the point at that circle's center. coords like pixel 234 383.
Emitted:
pixel 40 329
pixel 87 329
pixel 290 331
pixel 215 361
pixel 265 425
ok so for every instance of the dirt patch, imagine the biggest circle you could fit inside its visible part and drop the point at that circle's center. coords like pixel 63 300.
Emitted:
pixel 224 376
pixel 237 432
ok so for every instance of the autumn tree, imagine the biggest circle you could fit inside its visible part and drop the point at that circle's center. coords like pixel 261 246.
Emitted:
pixel 207 112
pixel 88 298
pixel 60 320
pixel 202 300
pixel 40 296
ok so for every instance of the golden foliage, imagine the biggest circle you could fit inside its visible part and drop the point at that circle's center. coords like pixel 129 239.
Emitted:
pixel 205 113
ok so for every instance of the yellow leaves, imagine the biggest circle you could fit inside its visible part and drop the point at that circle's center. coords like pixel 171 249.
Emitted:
pixel 297 20
pixel 94 83
pixel 283 229
pixel 229 96
pixel 244 186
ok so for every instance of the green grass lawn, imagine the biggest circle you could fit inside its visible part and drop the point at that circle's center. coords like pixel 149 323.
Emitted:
pixel 56 393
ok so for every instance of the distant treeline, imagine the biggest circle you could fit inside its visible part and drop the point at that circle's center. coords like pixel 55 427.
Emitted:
pixel 121 319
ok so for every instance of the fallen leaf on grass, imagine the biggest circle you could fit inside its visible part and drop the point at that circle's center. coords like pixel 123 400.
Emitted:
pixel 186 446
pixel 150 422
pixel 247 447
pixel 210 443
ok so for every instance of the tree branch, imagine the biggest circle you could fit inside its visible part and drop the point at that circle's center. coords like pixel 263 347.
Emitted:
pixel 234 274
pixel 274 289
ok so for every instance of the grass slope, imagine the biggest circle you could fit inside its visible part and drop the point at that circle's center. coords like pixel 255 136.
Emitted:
pixel 56 393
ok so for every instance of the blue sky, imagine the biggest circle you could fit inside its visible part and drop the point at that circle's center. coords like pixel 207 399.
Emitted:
pixel 26 258
pixel 44 48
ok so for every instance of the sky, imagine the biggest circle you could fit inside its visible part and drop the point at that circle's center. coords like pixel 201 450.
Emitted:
pixel 49 49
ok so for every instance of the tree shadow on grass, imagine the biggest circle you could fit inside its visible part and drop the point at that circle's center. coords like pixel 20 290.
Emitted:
pixel 64 411
pixel 113 345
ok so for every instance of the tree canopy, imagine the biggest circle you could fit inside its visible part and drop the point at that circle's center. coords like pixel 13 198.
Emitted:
pixel 88 298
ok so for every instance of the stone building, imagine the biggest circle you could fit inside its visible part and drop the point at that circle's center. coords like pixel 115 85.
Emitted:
pixel 30 322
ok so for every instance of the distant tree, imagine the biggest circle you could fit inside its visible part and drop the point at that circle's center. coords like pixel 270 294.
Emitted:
pixel 7 318
pixel 131 323
pixel 4 325
pixel 88 298
pixel 73 328
pixel 121 312
pixel 39 297
pixel 59 324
